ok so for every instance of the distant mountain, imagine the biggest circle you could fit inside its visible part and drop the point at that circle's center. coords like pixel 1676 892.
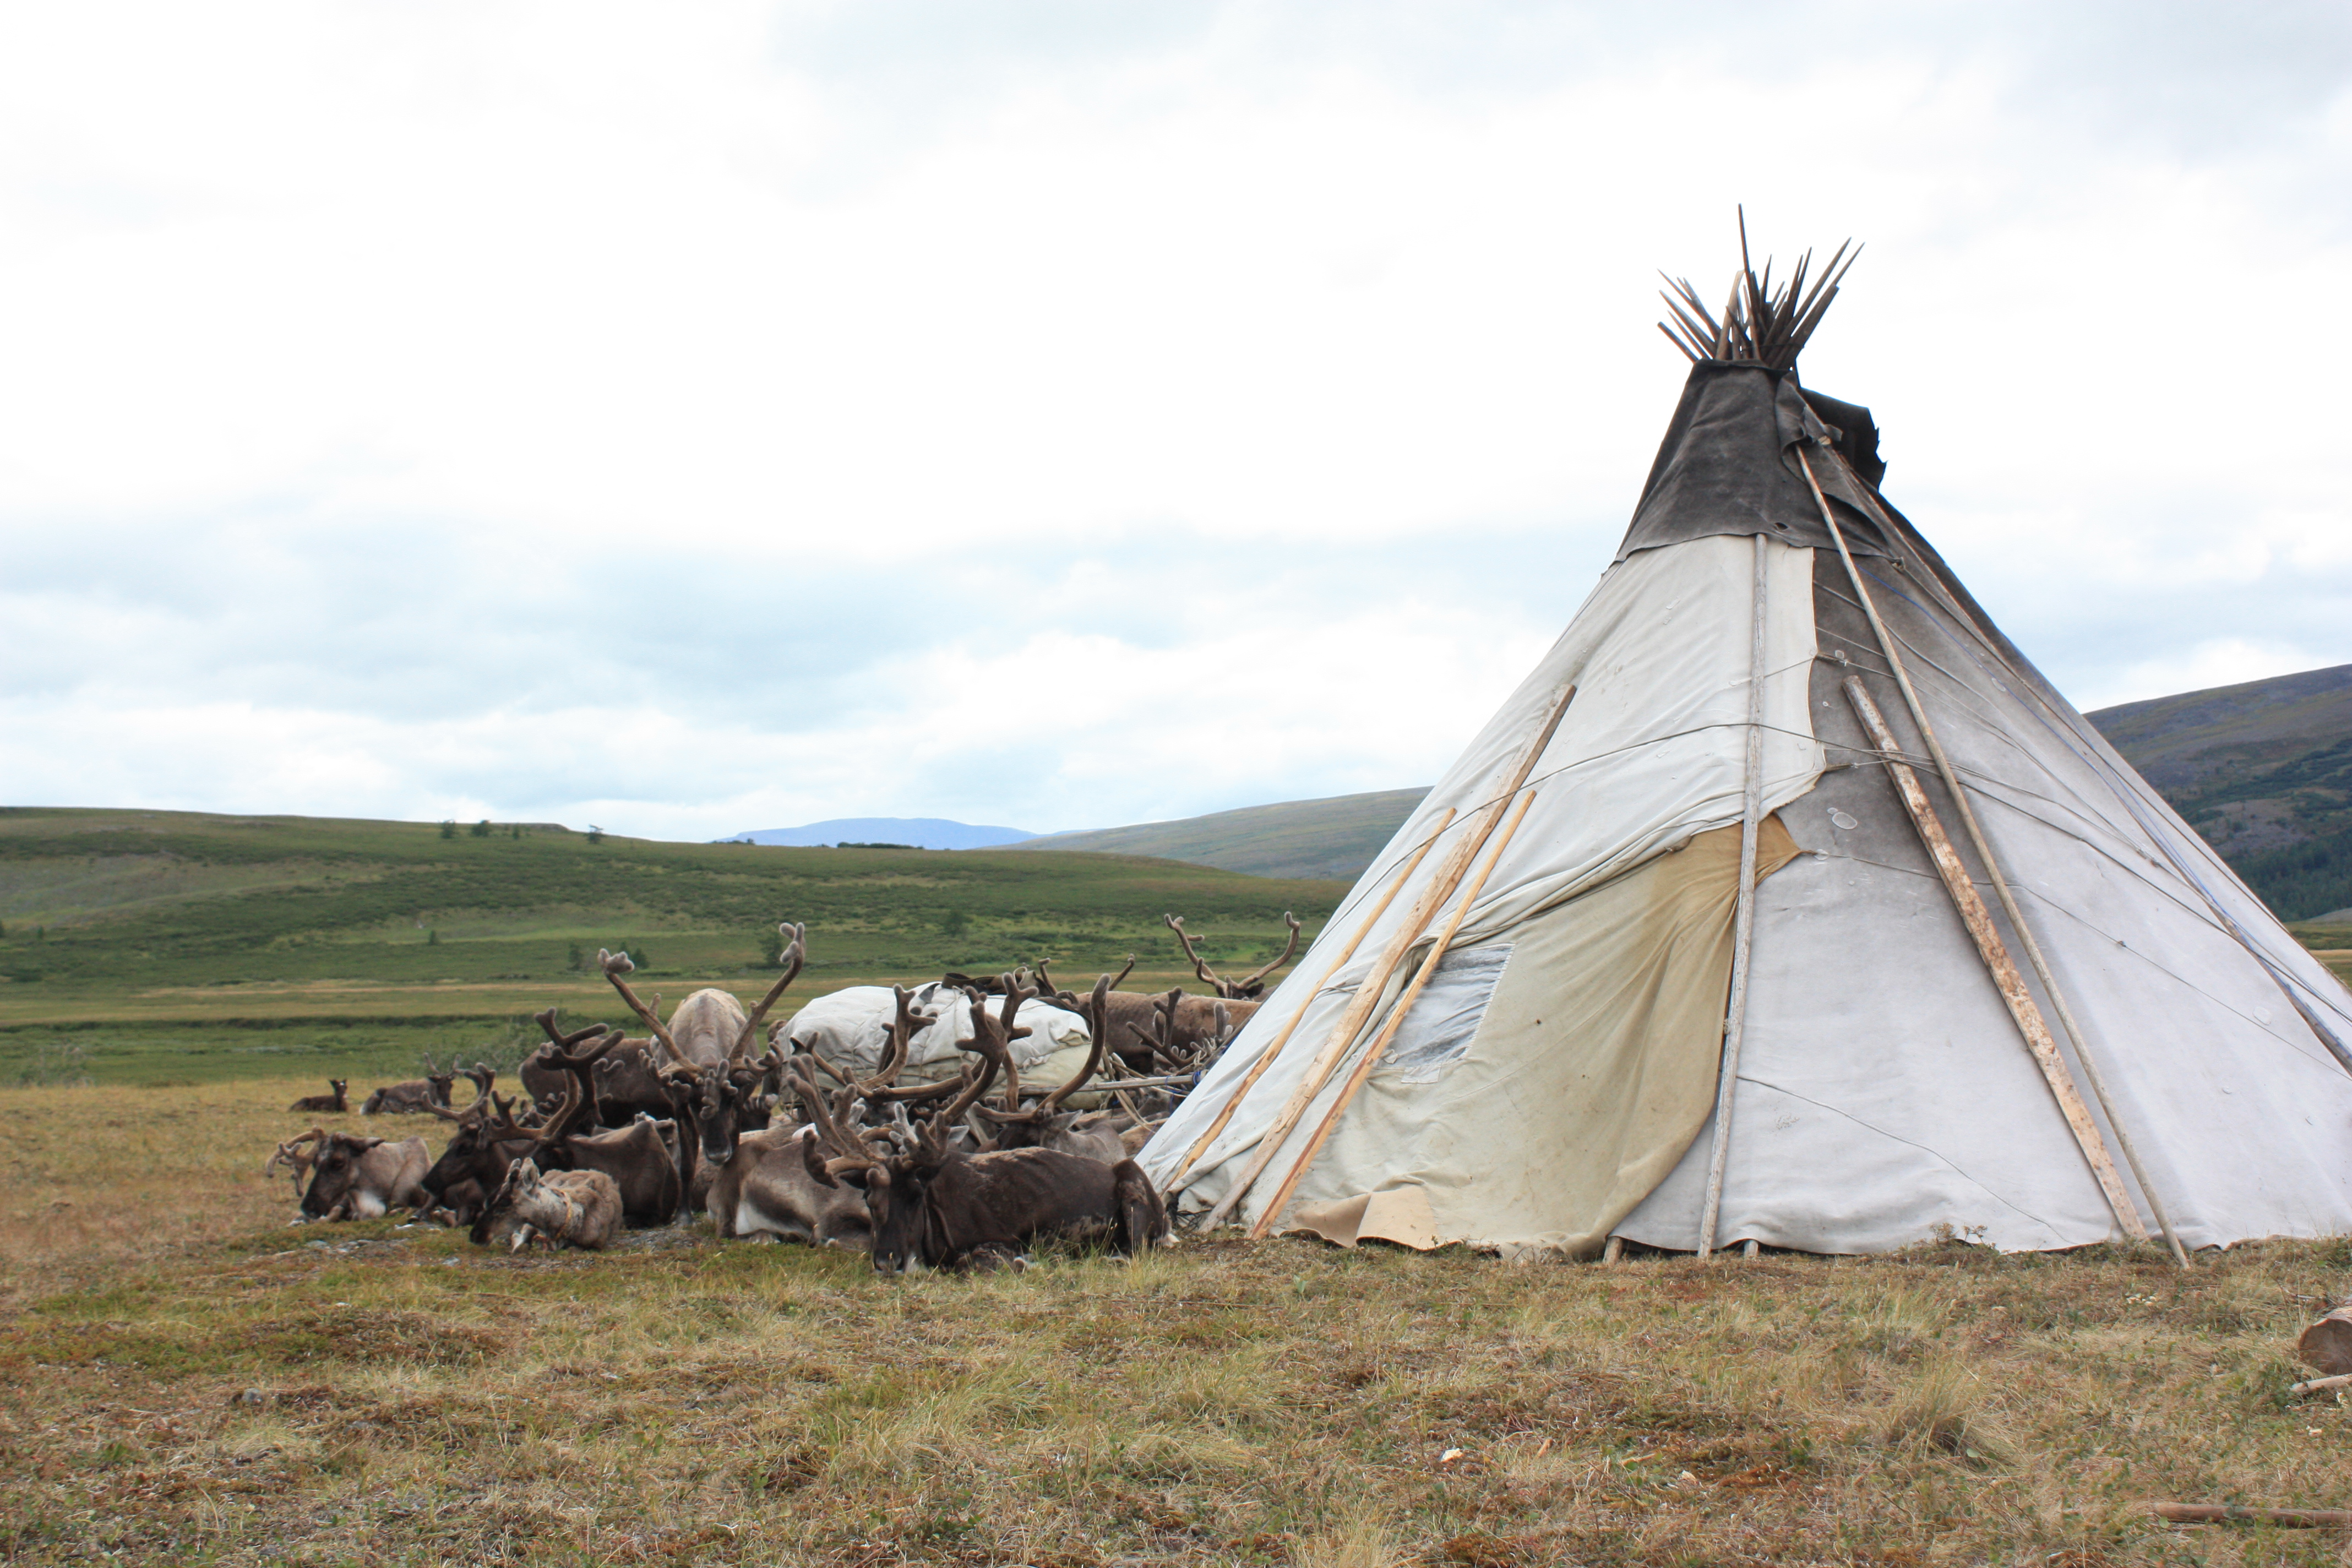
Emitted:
pixel 1335 837
pixel 921 832
pixel 2264 770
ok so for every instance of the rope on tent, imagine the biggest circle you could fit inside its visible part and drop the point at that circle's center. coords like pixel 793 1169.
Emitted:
pixel 1964 892
pixel 1368 994
pixel 1273 1048
pixel 1743 925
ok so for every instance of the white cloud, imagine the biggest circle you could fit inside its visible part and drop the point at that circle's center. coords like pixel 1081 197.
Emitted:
pixel 460 409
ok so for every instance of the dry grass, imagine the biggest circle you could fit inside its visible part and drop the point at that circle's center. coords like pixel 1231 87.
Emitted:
pixel 181 1378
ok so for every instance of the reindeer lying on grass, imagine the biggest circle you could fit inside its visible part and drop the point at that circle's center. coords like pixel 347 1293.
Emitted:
pixel 339 1101
pixel 415 1097
pixel 560 1208
pixel 931 1204
pixel 359 1178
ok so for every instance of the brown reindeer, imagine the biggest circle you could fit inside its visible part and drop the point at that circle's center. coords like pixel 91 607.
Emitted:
pixel 638 1157
pixel 359 1178
pixel 339 1101
pixel 1095 1134
pixel 560 1208
pixel 415 1097
pixel 933 1205
pixel 709 1025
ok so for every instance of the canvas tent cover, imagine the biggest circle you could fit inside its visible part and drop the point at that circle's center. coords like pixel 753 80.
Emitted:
pixel 1556 1084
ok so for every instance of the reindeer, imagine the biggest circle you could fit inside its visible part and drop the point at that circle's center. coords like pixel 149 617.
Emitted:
pixel 412 1099
pixel 560 1208
pixel 638 1157
pixel 709 1025
pixel 1094 1134
pixel 1195 1018
pixel 760 1185
pixel 339 1101
pixel 359 1178
pixel 1249 987
pixel 933 1205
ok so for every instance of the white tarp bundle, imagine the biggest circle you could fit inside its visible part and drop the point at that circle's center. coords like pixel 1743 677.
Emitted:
pixel 851 1029
pixel 1557 1085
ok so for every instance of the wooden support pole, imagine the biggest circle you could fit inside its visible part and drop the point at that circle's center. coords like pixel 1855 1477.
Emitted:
pixel 1995 953
pixel 1368 995
pixel 2230 1513
pixel 1743 921
pixel 1273 1048
pixel 2017 922
pixel 1379 1048
pixel 1614 1251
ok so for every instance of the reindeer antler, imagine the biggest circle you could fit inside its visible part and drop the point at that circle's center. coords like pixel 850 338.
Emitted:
pixel 546 1021
pixel 795 953
pixel 828 1153
pixel 1200 965
pixel 1250 985
pixel 904 1026
pixel 1096 1007
pixel 580 1065
pixel 617 964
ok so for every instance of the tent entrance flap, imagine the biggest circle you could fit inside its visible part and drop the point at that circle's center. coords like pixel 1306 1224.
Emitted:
pixel 1591 1068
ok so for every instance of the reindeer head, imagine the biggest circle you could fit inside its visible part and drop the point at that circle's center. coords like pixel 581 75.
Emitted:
pixel 438 1084
pixel 723 1105
pixel 334 1172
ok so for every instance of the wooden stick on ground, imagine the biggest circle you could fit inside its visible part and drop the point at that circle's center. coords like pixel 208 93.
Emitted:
pixel 2230 1513
pixel 1368 995
pixel 1995 953
pixel 2320 1384
pixel 1379 1048
pixel 1273 1048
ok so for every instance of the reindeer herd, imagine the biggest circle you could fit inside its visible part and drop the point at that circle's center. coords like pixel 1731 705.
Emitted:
pixel 895 1122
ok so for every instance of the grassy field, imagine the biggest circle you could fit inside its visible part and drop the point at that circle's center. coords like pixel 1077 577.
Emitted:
pixel 141 947
pixel 182 1378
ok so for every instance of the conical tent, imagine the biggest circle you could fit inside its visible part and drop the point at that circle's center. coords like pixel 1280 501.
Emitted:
pixel 1558 1009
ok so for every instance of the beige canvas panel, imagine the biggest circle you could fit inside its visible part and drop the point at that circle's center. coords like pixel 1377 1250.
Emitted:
pixel 1591 1071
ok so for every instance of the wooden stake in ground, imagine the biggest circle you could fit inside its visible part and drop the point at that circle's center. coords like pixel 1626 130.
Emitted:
pixel 1368 995
pixel 1379 1048
pixel 1995 953
pixel 1273 1048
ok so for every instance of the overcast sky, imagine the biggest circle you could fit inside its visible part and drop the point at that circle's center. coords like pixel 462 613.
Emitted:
pixel 693 418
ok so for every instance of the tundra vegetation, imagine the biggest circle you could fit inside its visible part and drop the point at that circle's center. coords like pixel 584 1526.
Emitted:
pixel 187 1379
pixel 182 1377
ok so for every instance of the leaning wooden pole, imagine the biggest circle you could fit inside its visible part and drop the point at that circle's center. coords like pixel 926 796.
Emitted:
pixel 1995 953
pixel 1372 1054
pixel 2075 1034
pixel 1368 995
pixel 1743 919
pixel 1273 1048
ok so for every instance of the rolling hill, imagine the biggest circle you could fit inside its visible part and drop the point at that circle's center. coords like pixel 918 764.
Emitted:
pixel 912 832
pixel 1334 838
pixel 2264 770
pixel 205 942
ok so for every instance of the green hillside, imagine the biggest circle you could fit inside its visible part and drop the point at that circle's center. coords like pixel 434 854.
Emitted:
pixel 392 938
pixel 1334 838
pixel 2264 770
